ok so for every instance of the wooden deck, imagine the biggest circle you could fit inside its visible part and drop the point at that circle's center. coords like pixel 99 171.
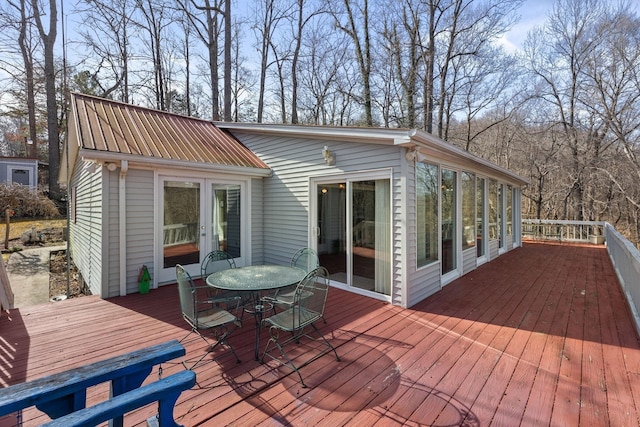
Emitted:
pixel 539 336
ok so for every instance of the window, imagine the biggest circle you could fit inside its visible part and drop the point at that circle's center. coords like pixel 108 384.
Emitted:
pixel 449 209
pixel 427 204
pixel 509 214
pixel 494 227
pixel 480 210
pixel 468 210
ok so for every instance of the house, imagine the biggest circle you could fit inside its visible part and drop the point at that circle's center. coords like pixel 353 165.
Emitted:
pixel 395 214
pixel 19 170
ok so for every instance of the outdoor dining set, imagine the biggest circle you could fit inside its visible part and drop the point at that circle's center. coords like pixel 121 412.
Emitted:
pixel 288 299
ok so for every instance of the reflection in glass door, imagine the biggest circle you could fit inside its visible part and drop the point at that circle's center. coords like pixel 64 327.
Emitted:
pixel 225 219
pixel 332 226
pixel 448 217
pixel 181 224
pixel 360 210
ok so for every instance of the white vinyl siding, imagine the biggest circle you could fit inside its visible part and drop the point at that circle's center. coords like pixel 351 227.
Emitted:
pixel 140 224
pixel 139 228
pixel 469 259
pixel 257 222
pixel 85 234
pixel 112 245
pixel 286 193
pixel 493 249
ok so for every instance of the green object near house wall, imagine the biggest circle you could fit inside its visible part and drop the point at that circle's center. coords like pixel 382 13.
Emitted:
pixel 144 280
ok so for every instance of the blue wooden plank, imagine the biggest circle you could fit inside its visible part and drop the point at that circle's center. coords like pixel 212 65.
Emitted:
pixel 165 391
pixel 64 392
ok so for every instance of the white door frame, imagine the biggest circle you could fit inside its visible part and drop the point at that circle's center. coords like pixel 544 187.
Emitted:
pixel 167 275
pixel 348 179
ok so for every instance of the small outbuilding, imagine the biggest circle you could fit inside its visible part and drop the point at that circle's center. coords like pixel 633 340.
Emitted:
pixel 394 214
pixel 19 170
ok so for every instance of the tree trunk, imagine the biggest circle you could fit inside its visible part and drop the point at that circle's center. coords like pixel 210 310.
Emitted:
pixel 27 57
pixel 227 60
pixel 48 41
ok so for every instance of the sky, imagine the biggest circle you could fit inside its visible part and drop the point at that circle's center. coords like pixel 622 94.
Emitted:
pixel 534 13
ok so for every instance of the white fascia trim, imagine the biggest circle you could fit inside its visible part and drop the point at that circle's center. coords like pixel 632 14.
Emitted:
pixel 139 161
pixel 370 135
pixel 429 142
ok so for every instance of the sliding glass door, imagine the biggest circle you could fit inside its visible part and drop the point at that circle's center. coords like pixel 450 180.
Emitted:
pixel 354 232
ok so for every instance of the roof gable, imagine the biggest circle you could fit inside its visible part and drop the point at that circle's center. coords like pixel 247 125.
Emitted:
pixel 107 126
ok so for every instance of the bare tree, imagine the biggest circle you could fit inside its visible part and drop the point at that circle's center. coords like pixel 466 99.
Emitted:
pixel 320 69
pixel 207 25
pixel 301 21
pixel 613 85
pixel 48 42
pixel 106 33
pixel 353 18
pixel 268 15
pixel 27 45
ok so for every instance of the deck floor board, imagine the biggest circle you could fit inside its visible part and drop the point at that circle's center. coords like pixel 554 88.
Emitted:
pixel 539 336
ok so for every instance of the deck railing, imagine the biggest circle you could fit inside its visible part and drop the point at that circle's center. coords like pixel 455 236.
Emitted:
pixel 564 231
pixel 626 261
pixel 624 255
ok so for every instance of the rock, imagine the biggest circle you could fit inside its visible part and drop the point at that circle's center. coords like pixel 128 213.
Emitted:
pixel 32 236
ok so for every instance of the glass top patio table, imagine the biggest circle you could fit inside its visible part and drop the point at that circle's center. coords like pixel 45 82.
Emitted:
pixel 255 278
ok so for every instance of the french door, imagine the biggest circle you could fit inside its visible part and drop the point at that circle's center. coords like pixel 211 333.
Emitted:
pixel 353 232
pixel 198 216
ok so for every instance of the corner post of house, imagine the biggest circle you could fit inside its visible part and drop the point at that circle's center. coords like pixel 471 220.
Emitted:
pixel 122 221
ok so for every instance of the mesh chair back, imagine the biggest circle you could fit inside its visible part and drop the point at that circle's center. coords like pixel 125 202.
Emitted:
pixel 311 297
pixel 216 261
pixel 187 293
pixel 305 259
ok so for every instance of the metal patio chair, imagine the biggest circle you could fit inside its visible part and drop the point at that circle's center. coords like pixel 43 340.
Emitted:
pixel 308 306
pixel 213 262
pixel 205 315
pixel 216 261
pixel 305 259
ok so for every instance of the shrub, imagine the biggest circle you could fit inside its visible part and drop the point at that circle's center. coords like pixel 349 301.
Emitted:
pixel 26 203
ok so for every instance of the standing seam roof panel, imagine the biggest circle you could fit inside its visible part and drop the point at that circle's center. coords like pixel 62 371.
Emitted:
pixel 115 127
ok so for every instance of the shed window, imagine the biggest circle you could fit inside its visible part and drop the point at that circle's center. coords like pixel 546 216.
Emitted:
pixel 427 218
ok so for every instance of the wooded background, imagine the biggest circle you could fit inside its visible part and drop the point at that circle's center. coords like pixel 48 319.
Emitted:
pixel 563 110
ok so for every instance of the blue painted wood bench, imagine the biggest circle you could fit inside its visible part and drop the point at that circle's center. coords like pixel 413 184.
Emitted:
pixel 165 391
pixel 63 393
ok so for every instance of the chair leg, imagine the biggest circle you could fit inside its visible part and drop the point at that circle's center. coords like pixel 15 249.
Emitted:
pixel 326 342
pixel 286 356
pixel 222 339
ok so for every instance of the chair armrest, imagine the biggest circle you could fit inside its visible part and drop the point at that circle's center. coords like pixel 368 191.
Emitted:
pixel 223 299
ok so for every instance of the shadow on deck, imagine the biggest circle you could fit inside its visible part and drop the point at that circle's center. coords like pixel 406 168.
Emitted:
pixel 539 336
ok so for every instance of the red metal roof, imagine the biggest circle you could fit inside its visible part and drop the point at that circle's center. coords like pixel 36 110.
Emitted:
pixel 109 126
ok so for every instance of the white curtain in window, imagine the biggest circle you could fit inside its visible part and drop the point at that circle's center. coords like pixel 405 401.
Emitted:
pixel 383 237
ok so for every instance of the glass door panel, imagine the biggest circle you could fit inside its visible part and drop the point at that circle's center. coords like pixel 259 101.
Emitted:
pixel 360 209
pixel 225 219
pixel 332 225
pixel 448 218
pixel 181 223
pixel 480 212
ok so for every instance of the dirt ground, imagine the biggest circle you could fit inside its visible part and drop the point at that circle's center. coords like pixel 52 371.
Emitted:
pixel 58 277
